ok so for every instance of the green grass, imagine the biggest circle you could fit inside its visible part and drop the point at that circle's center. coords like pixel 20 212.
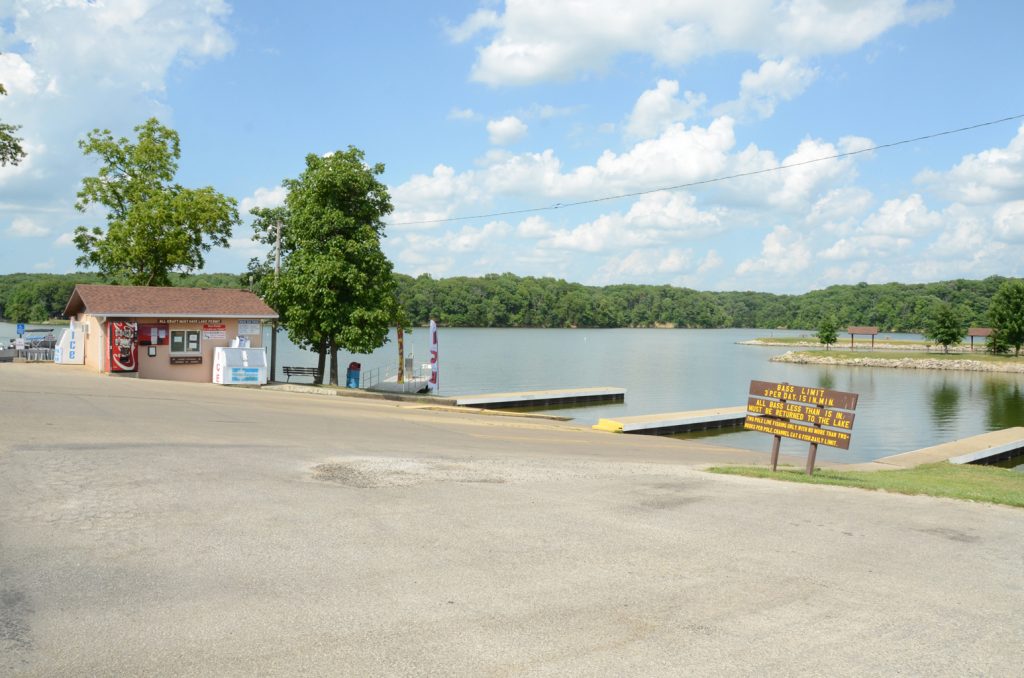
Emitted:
pixel 810 338
pixel 968 482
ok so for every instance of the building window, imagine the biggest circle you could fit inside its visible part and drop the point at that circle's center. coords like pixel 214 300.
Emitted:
pixel 185 341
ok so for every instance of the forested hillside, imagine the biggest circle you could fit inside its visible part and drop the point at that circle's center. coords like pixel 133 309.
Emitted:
pixel 35 297
pixel 507 300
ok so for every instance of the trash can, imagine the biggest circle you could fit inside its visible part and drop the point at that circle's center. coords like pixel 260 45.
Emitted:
pixel 352 376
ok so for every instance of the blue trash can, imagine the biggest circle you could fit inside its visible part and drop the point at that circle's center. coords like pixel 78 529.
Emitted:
pixel 352 375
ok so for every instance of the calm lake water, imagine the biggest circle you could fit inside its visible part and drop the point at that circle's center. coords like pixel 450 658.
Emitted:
pixel 677 370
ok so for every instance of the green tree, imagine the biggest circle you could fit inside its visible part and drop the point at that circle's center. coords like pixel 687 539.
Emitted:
pixel 945 326
pixel 828 331
pixel 154 226
pixel 1007 314
pixel 11 152
pixel 336 288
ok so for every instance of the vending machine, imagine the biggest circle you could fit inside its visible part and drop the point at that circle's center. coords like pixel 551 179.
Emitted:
pixel 124 346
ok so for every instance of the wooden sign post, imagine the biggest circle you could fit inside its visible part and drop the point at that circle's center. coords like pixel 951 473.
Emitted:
pixel 817 416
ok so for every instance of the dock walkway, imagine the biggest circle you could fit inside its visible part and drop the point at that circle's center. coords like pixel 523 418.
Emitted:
pixel 675 422
pixel 568 396
pixel 988 446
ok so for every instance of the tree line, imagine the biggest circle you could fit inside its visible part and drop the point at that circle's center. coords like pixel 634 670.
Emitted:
pixel 508 300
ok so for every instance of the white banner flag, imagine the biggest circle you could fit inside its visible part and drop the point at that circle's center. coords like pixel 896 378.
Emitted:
pixel 432 385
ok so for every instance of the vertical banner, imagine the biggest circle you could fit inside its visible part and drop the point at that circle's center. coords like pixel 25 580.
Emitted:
pixel 124 346
pixel 432 385
pixel 401 355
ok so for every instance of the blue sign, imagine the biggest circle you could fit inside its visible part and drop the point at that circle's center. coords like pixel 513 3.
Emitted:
pixel 21 329
pixel 244 375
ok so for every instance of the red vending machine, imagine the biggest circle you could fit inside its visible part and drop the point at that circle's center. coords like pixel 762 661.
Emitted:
pixel 124 346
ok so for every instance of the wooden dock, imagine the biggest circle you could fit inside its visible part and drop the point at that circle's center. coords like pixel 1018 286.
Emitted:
pixel 987 446
pixel 569 396
pixel 675 422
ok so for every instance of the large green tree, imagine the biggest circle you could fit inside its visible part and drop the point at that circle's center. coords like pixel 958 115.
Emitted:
pixel 946 326
pixel 1007 314
pixel 11 152
pixel 335 288
pixel 154 226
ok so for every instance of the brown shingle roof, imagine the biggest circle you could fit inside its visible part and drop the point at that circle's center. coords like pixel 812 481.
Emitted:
pixel 125 301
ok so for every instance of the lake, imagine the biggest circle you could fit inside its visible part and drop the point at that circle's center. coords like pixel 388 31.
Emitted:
pixel 678 370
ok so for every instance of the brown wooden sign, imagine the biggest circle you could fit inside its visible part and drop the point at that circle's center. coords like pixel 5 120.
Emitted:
pixel 804 394
pixel 789 429
pixel 805 413
pixel 796 412
pixel 187 360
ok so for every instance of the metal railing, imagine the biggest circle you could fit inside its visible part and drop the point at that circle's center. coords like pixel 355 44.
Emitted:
pixel 368 378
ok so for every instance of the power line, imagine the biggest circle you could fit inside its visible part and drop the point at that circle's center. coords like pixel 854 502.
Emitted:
pixel 713 180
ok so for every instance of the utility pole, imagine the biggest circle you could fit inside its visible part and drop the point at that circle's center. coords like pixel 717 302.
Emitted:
pixel 273 330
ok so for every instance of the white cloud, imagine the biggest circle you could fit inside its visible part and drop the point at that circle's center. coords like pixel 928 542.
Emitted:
pixel 990 176
pixel 865 247
pixel 24 227
pixel 658 108
pixel 783 252
pixel 774 81
pixel 656 218
pixel 1009 221
pixel 474 23
pixel 47 265
pixel 907 217
pixel 17 76
pixel 73 65
pixel 65 240
pixel 643 263
pixel 710 262
pixel 264 197
pixel 540 40
pixel 507 130
pixel 461 114
pixel 533 227
pixel 678 155
pixel 837 210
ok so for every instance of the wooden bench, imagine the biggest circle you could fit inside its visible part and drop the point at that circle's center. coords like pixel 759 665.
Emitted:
pixel 303 372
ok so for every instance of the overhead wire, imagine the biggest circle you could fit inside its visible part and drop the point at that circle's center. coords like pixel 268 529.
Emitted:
pixel 713 180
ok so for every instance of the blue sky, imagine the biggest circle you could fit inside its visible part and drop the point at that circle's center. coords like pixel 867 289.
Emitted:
pixel 484 107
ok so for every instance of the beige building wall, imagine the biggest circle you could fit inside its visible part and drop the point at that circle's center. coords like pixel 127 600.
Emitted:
pixel 163 364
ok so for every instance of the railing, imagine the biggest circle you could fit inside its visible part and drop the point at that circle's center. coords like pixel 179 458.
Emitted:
pixel 34 355
pixel 368 378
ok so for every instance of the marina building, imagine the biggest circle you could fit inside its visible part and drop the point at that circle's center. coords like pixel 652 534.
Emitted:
pixel 159 332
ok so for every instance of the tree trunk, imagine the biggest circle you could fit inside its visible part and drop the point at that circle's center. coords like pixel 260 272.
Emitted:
pixel 334 363
pixel 321 359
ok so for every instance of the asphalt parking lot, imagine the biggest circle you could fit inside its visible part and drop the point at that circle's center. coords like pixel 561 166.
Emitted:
pixel 164 529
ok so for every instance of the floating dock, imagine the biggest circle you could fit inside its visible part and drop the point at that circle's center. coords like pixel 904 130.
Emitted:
pixel 569 396
pixel 991 446
pixel 675 422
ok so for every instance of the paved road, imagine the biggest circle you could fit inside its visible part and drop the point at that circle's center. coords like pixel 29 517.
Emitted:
pixel 162 529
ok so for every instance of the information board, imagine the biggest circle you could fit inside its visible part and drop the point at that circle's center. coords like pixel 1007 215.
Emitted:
pixel 789 429
pixel 804 394
pixel 801 413
pixel 818 416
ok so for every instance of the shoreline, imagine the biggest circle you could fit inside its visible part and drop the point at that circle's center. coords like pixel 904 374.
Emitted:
pixel 966 365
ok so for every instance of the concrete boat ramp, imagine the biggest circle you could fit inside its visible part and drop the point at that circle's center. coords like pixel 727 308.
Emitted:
pixel 568 396
pixel 991 446
pixel 675 422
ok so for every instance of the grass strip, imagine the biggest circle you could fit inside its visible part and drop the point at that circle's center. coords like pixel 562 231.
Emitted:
pixel 969 482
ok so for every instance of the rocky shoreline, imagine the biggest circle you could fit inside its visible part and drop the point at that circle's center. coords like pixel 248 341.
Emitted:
pixel 966 365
